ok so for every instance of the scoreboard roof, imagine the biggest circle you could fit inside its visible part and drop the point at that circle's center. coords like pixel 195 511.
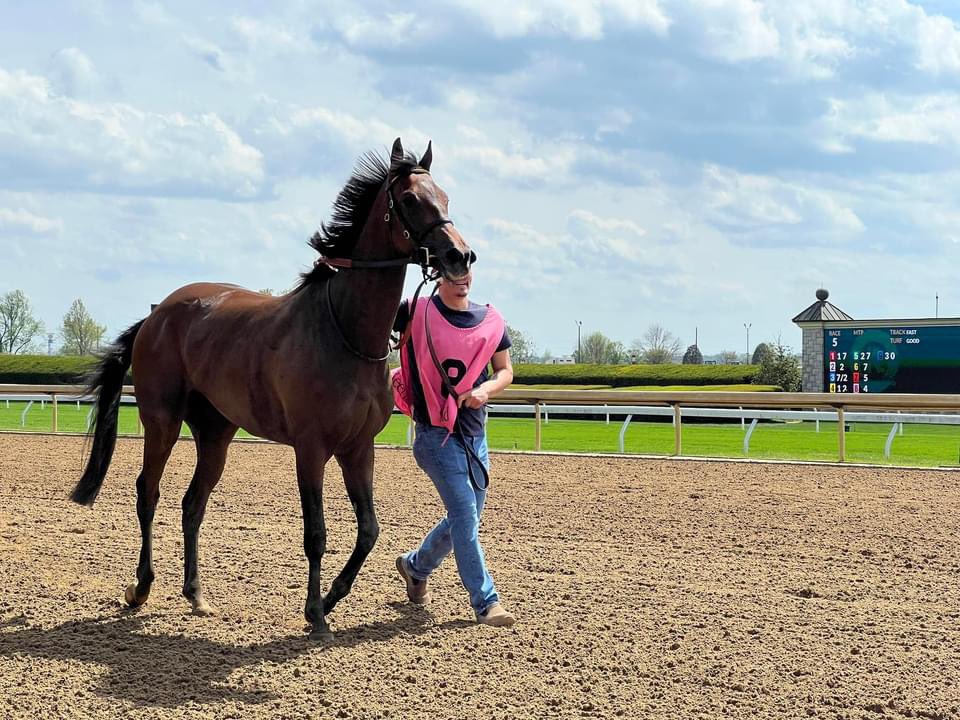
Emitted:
pixel 822 311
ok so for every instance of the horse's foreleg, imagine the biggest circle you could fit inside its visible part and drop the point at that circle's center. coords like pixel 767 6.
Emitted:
pixel 157 443
pixel 310 464
pixel 358 477
pixel 211 457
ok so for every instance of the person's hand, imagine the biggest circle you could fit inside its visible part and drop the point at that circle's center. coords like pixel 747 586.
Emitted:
pixel 475 399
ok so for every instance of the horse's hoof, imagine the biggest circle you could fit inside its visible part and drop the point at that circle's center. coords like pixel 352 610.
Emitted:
pixel 202 608
pixel 321 634
pixel 130 595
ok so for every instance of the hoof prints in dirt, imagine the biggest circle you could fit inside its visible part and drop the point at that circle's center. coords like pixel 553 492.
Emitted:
pixel 643 589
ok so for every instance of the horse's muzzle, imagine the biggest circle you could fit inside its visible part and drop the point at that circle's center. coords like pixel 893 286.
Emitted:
pixel 455 264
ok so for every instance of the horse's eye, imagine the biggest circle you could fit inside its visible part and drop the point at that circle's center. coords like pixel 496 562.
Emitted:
pixel 409 200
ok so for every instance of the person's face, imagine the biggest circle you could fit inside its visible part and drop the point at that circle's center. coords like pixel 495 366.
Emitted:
pixel 451 290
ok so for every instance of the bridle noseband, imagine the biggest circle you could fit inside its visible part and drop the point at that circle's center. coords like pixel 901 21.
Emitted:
pixel 420 256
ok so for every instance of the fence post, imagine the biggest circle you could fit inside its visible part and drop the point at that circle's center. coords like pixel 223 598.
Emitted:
pixel 843 434
pixel 536 441
pixel 53 403
pixel 677 435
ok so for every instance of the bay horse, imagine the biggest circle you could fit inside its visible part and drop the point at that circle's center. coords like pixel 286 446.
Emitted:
pixel 307 369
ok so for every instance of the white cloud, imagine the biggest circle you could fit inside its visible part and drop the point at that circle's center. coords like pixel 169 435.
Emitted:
pixel 72 73
pixel 358 132
pixel 929 120
pixel 737 30
pixel 259 33
pixel 521 255
pixel 608 237
pixel 553 165
pixel 763 207
pixel 55 141
pixel 383 31
pixel 938 43
pixel 815 37
pixel 582 19
pixel 23 221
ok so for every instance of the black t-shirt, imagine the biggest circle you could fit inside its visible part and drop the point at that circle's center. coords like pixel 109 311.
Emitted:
pixel 472 420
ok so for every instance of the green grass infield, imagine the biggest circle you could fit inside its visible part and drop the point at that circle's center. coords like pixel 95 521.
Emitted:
pixel 919 445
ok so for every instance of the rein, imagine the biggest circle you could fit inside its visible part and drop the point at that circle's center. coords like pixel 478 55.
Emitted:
pixel 457 430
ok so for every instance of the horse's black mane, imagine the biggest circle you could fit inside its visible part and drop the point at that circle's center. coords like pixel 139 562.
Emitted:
pixel 351 209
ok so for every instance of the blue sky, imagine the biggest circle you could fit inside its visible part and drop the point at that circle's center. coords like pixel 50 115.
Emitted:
pixel 694 163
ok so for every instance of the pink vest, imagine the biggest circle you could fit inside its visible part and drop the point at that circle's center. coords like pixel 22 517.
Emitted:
pixel 462 352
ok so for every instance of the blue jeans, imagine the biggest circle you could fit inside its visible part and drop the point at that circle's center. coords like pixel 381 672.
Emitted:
pixel 459 530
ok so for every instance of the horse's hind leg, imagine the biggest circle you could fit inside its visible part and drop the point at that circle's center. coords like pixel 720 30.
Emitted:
pixel 358 476
pixel 159 439
pixel 212 433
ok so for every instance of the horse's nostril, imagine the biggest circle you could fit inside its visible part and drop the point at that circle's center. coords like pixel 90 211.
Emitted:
pixel 455 256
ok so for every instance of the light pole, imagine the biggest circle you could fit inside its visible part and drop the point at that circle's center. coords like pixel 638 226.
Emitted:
pixel 49 342
pixel 579 356
pixel 747 327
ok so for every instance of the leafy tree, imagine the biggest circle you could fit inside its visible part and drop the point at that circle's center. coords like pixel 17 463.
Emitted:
pixel 599 349
pixel 81 333
pixel 759 353
pixel 780 367
pixel 18 327
pixel 729 357
pixel 618 353
pixel 658 346
pixel 522 349
pixel 693 356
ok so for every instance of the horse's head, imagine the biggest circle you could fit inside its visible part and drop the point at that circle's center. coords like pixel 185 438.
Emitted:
pixel 425 230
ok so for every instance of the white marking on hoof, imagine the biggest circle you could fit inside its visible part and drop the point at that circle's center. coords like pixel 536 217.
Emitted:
pixel 201 608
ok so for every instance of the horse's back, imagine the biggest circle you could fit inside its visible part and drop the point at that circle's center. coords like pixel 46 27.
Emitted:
pixel 190 336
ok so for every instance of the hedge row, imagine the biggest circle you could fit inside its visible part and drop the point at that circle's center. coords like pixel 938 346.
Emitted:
pixel 627 375
pixel 45 369
pixel 62 369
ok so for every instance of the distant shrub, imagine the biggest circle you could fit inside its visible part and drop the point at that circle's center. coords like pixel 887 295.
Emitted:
pixel 629 375
pixel 780 367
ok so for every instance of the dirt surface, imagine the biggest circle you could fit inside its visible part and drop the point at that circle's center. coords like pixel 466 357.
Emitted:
pixel 644 588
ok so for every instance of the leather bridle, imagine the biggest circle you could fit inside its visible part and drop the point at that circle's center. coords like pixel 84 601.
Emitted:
pixel 420 256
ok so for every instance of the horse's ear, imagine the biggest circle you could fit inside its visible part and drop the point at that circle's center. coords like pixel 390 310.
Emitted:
pixel 427 156
pixel 396 155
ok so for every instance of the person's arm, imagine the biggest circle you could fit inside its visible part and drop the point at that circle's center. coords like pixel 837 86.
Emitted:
pixel 501 378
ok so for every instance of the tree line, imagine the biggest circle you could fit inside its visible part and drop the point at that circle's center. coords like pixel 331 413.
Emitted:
pixel 21 332
pixel 779 365
pixel 657 346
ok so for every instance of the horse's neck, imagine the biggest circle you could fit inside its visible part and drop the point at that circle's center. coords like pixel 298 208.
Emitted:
pixel 365 302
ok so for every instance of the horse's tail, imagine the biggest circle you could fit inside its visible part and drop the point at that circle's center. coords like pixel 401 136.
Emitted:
pixel 106 382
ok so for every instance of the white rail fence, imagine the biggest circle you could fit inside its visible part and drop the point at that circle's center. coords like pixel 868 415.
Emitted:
pixel 894 409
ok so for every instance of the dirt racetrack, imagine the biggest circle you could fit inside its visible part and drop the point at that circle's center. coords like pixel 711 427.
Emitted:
pixel 644 589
